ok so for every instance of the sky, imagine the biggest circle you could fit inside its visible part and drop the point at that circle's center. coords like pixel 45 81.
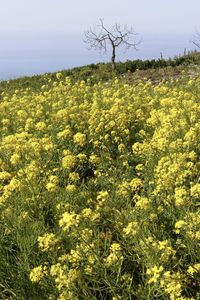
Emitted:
pixel 40 36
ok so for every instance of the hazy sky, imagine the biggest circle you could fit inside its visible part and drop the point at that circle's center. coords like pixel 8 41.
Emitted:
pixel 44 35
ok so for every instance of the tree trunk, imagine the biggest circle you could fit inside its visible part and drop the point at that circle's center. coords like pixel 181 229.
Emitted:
pixel 113 58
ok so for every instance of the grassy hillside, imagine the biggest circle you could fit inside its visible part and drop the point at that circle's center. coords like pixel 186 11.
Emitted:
pixel 99 185
pixel 156 70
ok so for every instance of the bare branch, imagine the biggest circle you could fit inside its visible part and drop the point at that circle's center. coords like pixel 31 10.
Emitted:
pixel 196 39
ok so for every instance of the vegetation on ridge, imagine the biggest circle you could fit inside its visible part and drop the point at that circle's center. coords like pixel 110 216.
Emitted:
pixel 155 70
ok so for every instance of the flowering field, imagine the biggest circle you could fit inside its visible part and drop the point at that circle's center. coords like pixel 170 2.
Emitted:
pixel 99 191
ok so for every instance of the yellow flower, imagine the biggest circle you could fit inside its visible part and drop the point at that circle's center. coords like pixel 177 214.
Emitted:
pixel 194 269
pixel 5 175
pixel 121 148
pixel 180 196
pixel 69 161
pixel 143 203
pixel 79 139
pixel 94 159
pixel 195 190
pixel 70 188
pixel 68 220
pixel 139 167
pixel 90 214
pixel 47 241
pixel 66 133
pixel 102 195
pixel 155 272
pixel 131 229
pixel 40 126
pixel 123 189
pixel 5 122
pixel 74 177
pixel 59 76
pixel 52 185
pixel 136 184
pixel 15 158
pixel 179 225
pixel 38 273
pixel 82 157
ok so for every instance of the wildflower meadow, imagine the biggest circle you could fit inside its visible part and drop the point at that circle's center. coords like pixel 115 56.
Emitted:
pixel 100 190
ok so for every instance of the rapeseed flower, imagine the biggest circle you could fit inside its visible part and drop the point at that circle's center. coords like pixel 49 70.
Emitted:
pixel 38 273
pixel 79 139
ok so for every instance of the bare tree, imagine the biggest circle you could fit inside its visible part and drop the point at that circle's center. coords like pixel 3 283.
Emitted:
pixel 101 37
pixel 196 39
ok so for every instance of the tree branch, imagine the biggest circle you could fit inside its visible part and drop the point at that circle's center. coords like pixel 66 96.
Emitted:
pixel 196 40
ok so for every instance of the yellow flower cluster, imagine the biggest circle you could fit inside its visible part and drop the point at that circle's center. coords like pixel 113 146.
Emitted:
pixel 79 138
pixel 68 220
pixel 47 242
pixel 115 256
pixel 38 273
